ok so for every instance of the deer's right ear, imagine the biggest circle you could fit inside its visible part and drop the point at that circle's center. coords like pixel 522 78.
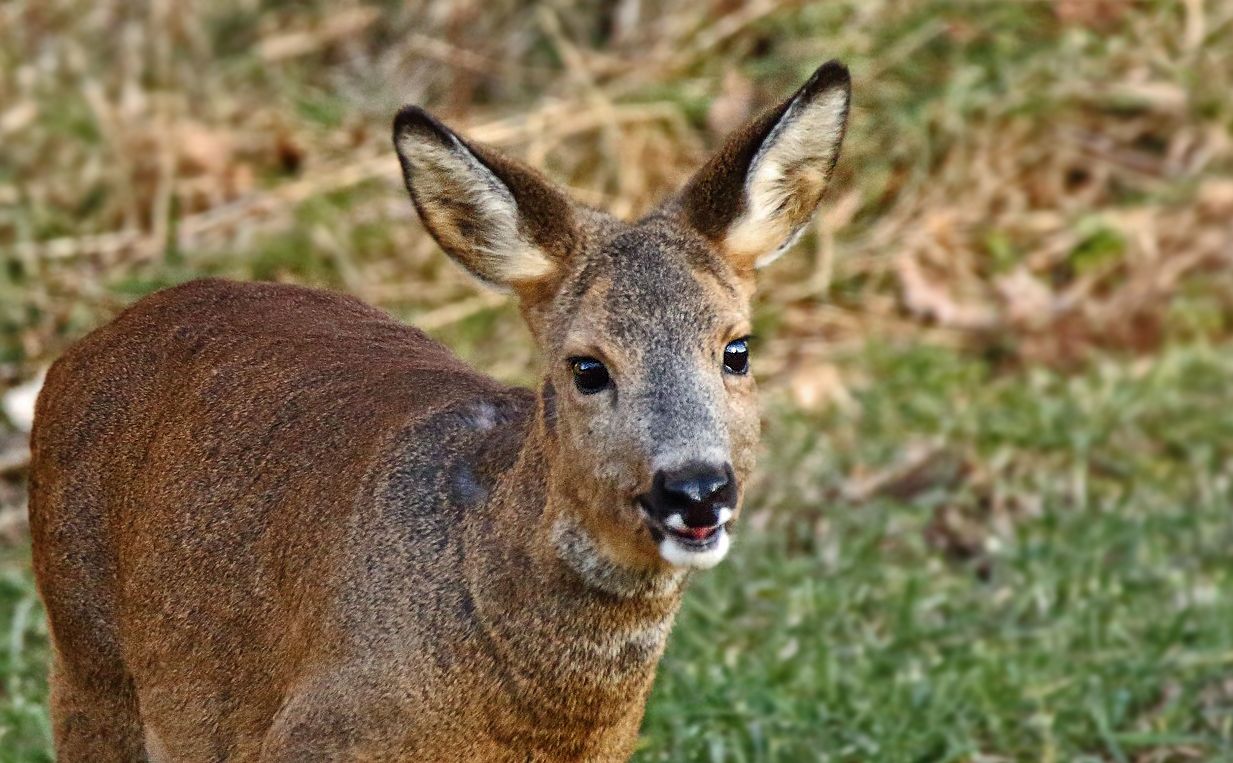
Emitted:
pixel 501 220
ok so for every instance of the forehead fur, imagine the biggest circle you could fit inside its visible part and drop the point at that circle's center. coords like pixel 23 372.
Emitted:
pixel 653 279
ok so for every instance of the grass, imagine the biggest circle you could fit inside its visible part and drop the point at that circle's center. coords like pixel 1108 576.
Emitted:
pixel 25 731
pixel 993 519
pixel 1051 585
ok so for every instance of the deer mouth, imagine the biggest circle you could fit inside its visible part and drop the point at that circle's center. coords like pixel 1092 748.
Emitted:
pixel 687 538
pixel 701 537
pixel 686 547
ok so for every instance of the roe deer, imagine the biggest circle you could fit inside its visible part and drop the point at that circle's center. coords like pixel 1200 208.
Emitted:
pixel 272 523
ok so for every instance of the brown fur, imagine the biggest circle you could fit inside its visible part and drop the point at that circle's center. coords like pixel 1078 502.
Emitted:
pixel 271 523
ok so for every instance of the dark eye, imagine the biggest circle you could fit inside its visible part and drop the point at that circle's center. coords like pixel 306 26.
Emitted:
pixel 736 356
pixel 590 376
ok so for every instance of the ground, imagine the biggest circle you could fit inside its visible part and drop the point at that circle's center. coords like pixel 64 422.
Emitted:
pixel 992 521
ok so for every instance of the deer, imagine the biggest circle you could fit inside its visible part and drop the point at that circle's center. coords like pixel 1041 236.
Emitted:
pixel 272 523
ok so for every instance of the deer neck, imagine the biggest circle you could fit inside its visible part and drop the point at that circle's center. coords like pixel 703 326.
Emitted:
pixel 563 616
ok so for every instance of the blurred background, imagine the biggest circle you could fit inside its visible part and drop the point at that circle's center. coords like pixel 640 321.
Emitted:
pixel 994 515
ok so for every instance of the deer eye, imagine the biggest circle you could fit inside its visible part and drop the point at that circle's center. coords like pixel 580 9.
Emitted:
pixel 736 356
pixel 590 375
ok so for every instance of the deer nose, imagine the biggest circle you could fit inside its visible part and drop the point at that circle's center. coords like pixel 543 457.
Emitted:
pixel 697 492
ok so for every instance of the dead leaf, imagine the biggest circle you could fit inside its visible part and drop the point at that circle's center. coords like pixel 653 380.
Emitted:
pixel 1028 301
pixel 924 466
pixel 203 149
pixel 1093 14
pixel 818 386
pixel 18 116
pixel 927 299
pixel 18 403
pixel 733 106
pixel 1215 196
pixel 337 27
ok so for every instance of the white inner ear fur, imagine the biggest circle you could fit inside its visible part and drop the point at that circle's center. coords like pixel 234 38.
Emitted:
pixel 787 176
pixel 500 252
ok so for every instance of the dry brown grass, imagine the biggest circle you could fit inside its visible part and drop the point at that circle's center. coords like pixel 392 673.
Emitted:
pixel 1033 179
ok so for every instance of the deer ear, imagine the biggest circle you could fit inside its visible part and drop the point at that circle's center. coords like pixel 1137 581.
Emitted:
pixel 755 196
pixel 501 220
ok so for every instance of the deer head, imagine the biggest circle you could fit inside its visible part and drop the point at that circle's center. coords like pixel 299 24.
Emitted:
pixel 648 405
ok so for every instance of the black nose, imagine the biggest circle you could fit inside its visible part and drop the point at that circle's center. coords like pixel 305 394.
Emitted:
pixel 696 491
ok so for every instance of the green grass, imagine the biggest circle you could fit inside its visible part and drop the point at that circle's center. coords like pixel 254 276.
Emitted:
pixel 1089 620
pixel 25 732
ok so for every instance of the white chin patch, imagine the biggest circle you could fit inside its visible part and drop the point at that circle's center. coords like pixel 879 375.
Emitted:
pixel 680 555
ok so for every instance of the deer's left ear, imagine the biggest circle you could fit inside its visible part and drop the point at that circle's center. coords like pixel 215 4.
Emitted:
pixel 755 196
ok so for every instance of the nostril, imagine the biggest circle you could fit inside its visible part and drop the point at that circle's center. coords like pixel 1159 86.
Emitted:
pixel 699 488
pixel 696 492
